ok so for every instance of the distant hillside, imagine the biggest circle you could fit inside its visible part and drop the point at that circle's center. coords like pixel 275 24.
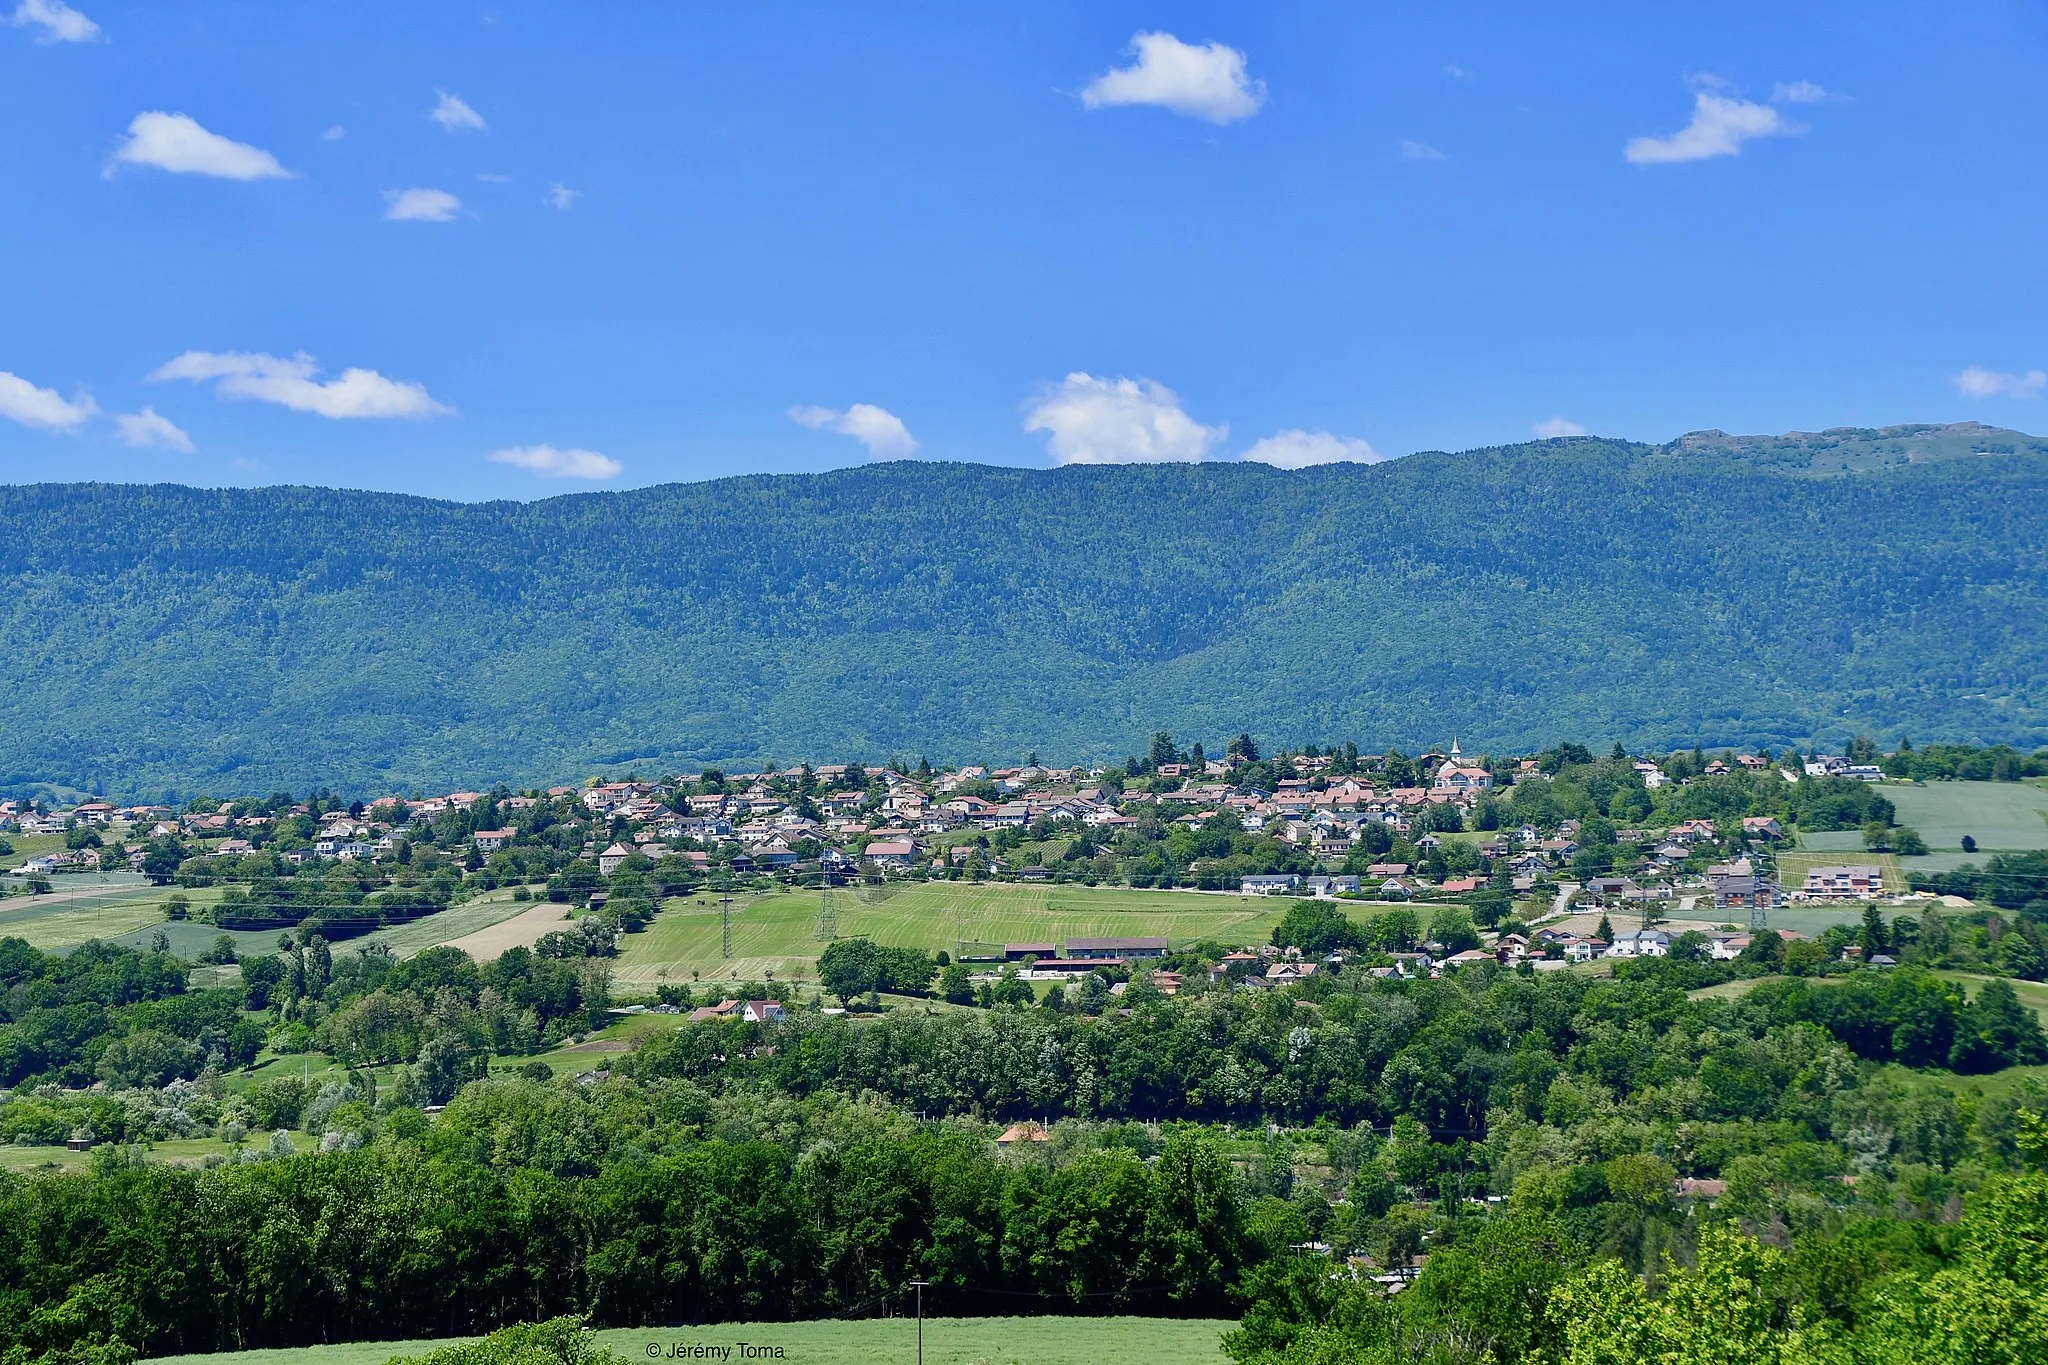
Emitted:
pixel 1851 450
pixel 166 639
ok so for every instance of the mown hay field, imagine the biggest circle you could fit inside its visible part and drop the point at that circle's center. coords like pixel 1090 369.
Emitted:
pixel 777 933
pixel 872 1341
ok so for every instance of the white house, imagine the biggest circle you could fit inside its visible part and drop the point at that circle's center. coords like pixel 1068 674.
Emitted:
pixel 1640 943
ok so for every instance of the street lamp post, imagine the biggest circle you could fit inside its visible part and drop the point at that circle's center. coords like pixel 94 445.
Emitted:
pixel 919 1286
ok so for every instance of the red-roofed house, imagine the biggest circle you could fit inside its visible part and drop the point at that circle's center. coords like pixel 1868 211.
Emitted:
pixel 890 853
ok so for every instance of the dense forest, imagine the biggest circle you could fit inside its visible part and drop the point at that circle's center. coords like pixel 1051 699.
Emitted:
pixel 165 640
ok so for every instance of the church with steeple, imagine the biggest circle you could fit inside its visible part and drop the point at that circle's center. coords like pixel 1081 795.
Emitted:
pixel 1458 777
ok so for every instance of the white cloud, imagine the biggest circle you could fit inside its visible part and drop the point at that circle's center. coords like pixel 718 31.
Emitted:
pixel 493 178
pixel 334 134
pixel 291 383
pixel 1412 150
pixel 420 206
pixel 455 116
pixel 879 429
pixel 43 409
pixel 1117 421
pixel 1298 449
pixel 174 142
pixel 561 196
pixel 1559 426
pixel 548 462
pixel 1205 81
pixel 1797 92
pixel 58 21
pixel 147 428
pixel 1977 382
pixel 1456 72
pixel 1719 127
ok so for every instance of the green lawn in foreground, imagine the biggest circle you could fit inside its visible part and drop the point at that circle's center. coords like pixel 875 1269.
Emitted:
pixel 777 932
pixel 947 1341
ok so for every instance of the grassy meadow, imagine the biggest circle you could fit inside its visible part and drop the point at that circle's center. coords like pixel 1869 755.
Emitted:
pixel 872 1341
pixel 2032 994
pixel 27 846
pixel 777 933
pixel 104 905
pixel 2000 816
pixel 2003 817
pixel 22 1159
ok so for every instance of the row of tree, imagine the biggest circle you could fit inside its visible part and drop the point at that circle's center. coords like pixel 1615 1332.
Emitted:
pixel 1349 1048
pixel 459 1229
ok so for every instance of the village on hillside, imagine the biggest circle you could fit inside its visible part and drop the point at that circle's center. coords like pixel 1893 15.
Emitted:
pixel 1396 1000
pixel 1558 857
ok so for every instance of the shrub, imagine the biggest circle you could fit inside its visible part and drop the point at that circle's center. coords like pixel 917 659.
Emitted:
pixel 560 1341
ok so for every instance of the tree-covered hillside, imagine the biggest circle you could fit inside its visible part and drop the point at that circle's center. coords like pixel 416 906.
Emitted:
pixel 166 639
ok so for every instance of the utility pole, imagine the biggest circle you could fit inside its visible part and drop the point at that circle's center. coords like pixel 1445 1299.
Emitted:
pixel 725 921
pixel 919 1286
pixel 828 911
pixel 1766 880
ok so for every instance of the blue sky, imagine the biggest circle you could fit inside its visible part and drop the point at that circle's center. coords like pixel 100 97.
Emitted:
pixel 612 245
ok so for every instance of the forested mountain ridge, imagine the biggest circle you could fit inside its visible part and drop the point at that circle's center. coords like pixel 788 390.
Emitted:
pixel 163 639
pixel 1844 450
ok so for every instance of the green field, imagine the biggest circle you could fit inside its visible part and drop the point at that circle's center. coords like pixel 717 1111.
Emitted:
pixel 947 1341
pixel 176 1150
pixel 1998 815
pixel 1735 990
pixel 190 938
pixel 776 933
pixel 28 846
pixel 597 1049
pixel 2033 994
pixel 1815 920
pixel 1833 841
pixel 88 906
pixel 118 908
pixel 455 922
